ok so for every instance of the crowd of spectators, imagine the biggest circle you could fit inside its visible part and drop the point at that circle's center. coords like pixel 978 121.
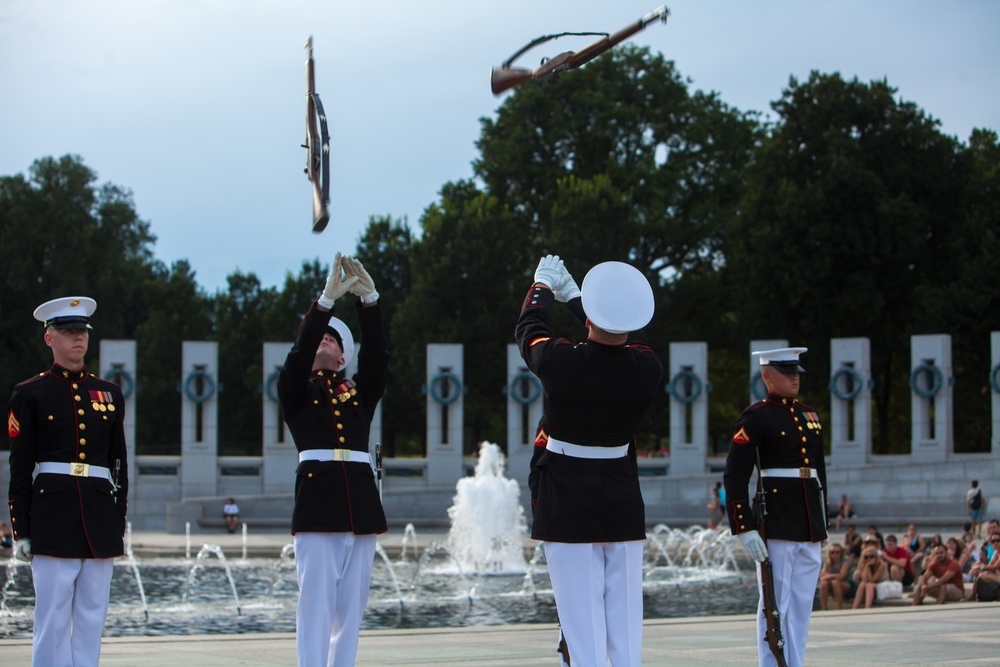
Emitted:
pixel 863 570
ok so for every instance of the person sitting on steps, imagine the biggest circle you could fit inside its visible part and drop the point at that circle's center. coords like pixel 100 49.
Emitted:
pixel 231 513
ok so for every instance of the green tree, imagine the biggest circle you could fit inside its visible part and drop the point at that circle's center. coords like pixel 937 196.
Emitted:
pixel 849 210
pixel 61 234
pixel 964 306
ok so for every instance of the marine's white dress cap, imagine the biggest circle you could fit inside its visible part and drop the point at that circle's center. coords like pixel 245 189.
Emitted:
pixel 783 358
pixel 617 297
pixel 68 312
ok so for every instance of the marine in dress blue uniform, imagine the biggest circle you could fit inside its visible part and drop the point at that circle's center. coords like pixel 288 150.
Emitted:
pixel 337 512
pixel 68 488
pixel 787 436
pixel 586 502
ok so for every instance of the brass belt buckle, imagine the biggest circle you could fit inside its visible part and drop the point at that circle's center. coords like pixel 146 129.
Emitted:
pixel 341 455
pixel 805 473
pixel 79 469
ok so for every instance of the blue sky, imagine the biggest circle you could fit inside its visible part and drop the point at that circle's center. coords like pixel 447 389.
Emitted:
pixel 197 106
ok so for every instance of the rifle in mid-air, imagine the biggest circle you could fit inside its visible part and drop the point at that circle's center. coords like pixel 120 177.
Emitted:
pixel 775 640
pixel 506 77
pixel 317 148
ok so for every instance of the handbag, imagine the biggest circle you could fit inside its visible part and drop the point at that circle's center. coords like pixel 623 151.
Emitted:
pixel 888 590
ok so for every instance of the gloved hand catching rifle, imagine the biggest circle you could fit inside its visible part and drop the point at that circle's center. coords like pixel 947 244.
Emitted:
pixel 336 285
pixel 364 286
pixel 552 273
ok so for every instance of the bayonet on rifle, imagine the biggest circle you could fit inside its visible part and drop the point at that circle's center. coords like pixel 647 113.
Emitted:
pixel 506 77
pixel 317 148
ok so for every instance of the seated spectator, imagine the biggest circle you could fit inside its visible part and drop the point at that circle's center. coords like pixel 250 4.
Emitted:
pixel 869 540
pixel 914 543
pixel 852 545
pixel 926 558
pixel 897 559
pixel 942 578
pixel 833 579
pixel 873 532
pixel 987 570
pixel 992 526
pixel 973 554
pixel 844 511
pixel 231 512
pixel 956 549
pixel 868 574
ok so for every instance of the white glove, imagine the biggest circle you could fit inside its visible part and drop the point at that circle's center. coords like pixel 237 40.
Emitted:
pixel 336 285
pixel 22 549
pixel 365 286
pixel 567 288
pixel 547 272
pixel 754 545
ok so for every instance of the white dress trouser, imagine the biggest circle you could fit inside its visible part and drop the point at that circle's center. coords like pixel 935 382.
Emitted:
pixel 598 591
pixel 796 567
pixel 334 572
pixel 71 603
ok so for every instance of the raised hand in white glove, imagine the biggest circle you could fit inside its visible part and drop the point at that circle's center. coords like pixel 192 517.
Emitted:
pixel 754 545
pixel 548 271
pixel 22 549
pixel 567 288
pixel 365 286
pixel 336 285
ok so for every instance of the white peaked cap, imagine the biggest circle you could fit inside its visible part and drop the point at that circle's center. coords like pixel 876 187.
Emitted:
pixel 68 312
pixel 617 297
pixel 783 357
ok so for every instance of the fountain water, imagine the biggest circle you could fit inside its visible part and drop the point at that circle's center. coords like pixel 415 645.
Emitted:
pixel 130 556
pixel 488 529
pixel 477 575
pixel 409 539
pixel 206 551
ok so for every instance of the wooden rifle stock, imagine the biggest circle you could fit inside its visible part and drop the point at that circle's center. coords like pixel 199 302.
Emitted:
pixel 775 640
pixel 505 77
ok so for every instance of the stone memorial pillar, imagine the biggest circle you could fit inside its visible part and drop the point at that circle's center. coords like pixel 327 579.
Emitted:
pixel 199 418
pixel 688 388
pixel 118 366
pixel 525 404
pixel 445 389
pixel 850 401
pixel 931 398
pixel 280 456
